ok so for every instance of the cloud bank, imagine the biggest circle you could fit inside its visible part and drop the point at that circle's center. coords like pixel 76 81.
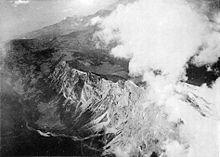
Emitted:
pixel 160 37
pixel 20 2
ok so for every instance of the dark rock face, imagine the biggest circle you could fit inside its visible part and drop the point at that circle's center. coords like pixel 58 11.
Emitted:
pixel 18 140
pixel 154 154
pixel 199 75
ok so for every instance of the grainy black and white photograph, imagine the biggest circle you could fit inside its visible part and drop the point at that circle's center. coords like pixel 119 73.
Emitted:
pixel 110 78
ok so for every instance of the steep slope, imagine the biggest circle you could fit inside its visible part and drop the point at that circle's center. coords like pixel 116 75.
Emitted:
pixel 66 26
pixel 59 100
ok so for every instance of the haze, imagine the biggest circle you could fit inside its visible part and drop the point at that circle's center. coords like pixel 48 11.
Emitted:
pixel 22 16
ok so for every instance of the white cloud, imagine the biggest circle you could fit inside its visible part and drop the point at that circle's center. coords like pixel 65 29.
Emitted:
pixel 158 35
pixel 20 2
pixel 161 36
pixel 174 149
pixel 96 20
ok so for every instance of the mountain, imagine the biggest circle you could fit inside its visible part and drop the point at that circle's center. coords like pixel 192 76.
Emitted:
pixel 66 26
pixel 59 88
pixel 34 74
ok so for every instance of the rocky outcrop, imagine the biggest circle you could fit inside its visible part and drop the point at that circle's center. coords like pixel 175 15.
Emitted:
pixel 60 100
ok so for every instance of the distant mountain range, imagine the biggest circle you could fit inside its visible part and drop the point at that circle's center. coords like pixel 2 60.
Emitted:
pixel 65 27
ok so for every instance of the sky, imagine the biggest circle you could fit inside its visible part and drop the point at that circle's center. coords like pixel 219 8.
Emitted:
pixel 21 16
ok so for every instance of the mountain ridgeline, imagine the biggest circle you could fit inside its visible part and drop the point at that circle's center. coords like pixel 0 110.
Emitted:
pixel 68 88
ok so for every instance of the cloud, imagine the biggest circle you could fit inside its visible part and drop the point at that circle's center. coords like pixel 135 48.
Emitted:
pixel 174 149
pixel 210 51
pixel 20 2
pixel 159 37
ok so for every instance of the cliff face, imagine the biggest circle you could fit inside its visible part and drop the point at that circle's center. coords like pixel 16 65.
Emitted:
pixel 59 100
pixel 87 101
